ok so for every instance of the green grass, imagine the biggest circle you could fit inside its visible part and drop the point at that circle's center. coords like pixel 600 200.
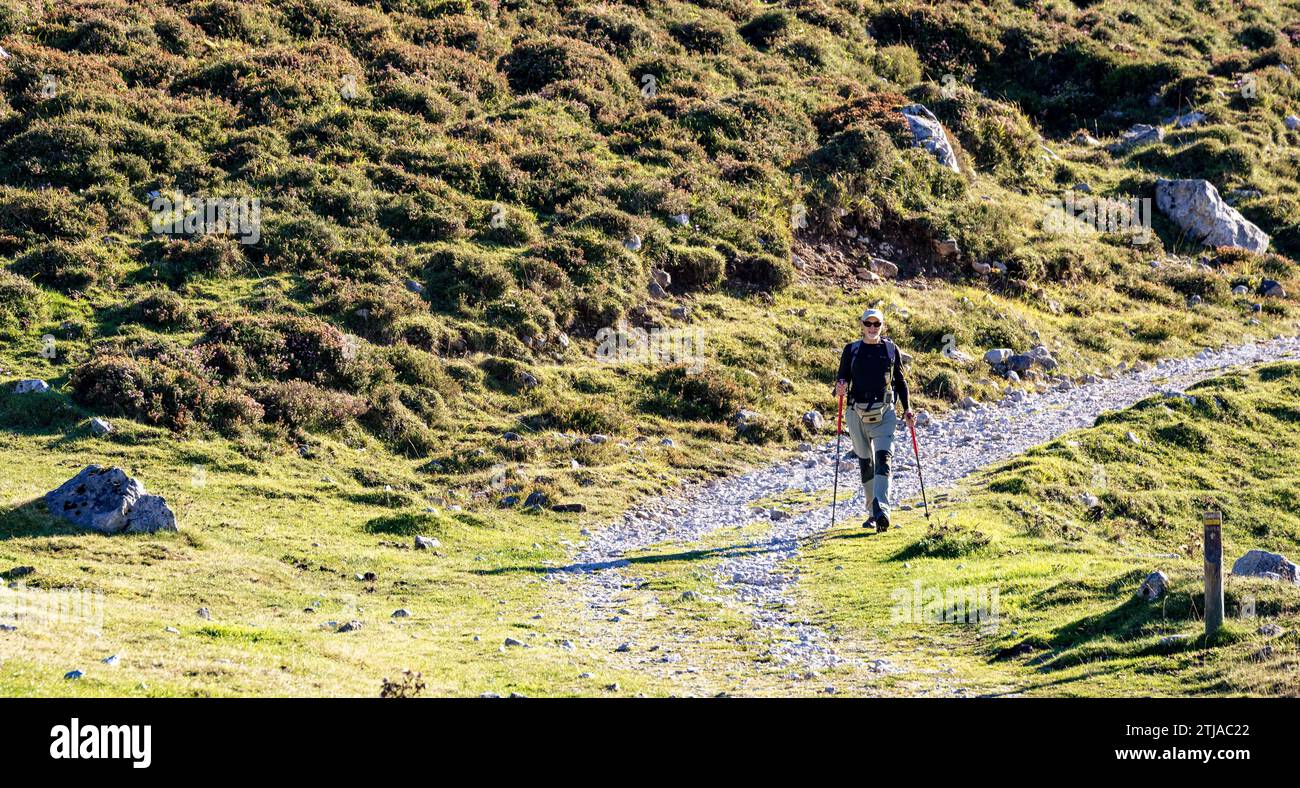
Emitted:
pixel 259 550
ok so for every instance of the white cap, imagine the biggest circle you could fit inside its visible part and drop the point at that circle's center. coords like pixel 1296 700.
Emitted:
pixel 876 313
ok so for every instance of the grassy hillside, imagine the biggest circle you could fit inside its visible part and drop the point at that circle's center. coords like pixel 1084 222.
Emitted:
pixel 458 197
pixel 1067 566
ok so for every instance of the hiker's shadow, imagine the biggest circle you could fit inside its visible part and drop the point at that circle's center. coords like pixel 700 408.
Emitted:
pixel 861 533
pixel 730 551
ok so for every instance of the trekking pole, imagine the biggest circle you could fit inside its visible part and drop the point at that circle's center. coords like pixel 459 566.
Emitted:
pixel 839 424
pixel 917 450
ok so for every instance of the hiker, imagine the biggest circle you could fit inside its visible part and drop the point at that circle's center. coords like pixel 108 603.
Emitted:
pixel 871 373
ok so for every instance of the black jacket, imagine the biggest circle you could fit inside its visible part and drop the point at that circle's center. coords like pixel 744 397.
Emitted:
pixel 872 372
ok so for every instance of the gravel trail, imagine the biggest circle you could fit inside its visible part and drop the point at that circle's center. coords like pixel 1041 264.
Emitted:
pixel 952 447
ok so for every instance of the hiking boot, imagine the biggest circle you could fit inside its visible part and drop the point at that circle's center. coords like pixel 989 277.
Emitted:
pixel 868 524
pixel 882 523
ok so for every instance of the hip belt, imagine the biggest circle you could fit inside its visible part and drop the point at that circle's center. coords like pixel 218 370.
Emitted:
pixel 873 412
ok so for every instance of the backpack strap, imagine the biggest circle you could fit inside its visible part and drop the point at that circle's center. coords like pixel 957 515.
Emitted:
pixel 890 348
pixel 853 357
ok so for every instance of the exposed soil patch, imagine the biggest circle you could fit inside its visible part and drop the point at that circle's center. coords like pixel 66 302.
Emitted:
pixel 855 258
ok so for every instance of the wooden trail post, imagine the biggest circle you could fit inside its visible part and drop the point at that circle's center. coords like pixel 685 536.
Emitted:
pixel 1213 542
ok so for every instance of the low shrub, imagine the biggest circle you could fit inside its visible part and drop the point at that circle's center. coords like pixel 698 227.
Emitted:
pixel 617 30
pixel 298 243
pixel 762 430
pixel 373 311
pixel 1198 283
pixel 565 68
pixel 413 366
pixel 228 19
pixel 943 384
pixel 281 348
pixel 767 28
pixel 161 309
pixel 584 417
pixel 710 394
pixel 949 540
pixel 407 524
pixel 65 266
pixel 395 424
pixel 762 271
pixel 29 217
pixel 173 390
pixel 301 406
pixel 178 260
pixel 897 63
pixel 695 268
pixel 423 216
pixel 21 302
pixel 704 35
pixel 46 410
pixel 458 278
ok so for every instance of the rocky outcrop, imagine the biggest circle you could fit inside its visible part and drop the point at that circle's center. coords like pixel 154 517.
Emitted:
pixel 1138 135
pixel 1154 586
pixel 1005 361
pixel 884 268
pixel 109 501
pixel 929 134
pixel 1261 563
pixel 1193 118
pixel 1195 206
pixel 1082 137
pixel 426 543
pixel 947 247
pixel 1271 288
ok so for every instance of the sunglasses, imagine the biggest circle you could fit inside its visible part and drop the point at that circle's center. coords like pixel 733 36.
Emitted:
pixel 871 323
